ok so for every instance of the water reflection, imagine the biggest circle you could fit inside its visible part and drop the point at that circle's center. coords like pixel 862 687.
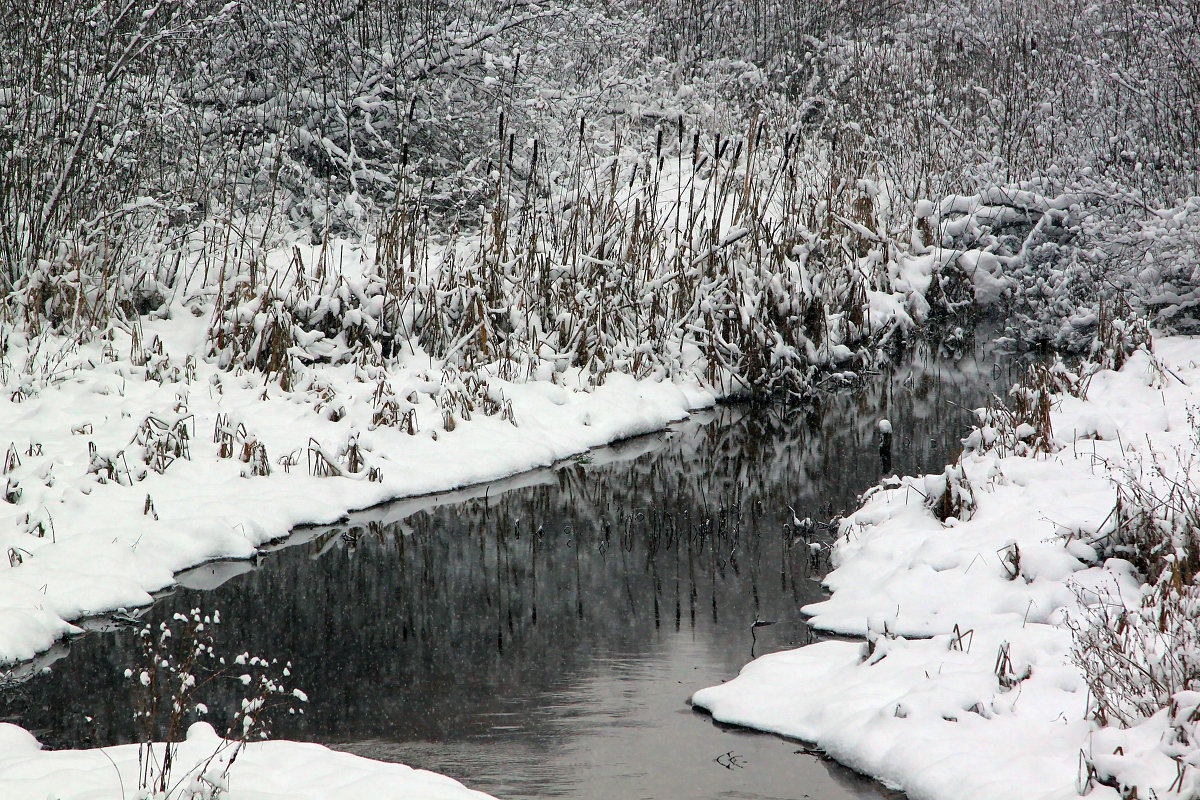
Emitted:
pixel 540 637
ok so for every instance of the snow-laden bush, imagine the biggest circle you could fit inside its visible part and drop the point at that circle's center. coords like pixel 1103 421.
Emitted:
pixel 950 495
pixel 1140 655
pixel 1074 268
pixel 1137 654
pixel 1020 424
pixel 87 94
pixel 179 666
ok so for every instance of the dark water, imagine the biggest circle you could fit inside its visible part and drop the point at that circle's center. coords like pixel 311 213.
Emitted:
pixel 540 637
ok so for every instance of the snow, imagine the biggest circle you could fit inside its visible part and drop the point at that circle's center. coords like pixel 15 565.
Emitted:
pixel 965 685
pixel 261 771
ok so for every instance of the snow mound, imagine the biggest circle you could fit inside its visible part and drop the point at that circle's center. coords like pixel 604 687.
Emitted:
pixel 206 765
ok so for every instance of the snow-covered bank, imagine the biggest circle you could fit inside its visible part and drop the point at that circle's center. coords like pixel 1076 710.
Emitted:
pixel 967 686
pixel 88 531
pixel 207 766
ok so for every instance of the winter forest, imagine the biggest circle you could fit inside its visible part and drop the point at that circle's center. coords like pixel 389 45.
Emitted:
pixel 848 345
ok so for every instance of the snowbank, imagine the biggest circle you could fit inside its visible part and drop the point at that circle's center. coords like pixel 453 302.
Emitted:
pixel 205 763
pixel 966 686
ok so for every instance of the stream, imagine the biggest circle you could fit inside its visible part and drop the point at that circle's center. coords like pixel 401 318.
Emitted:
pixel 540 637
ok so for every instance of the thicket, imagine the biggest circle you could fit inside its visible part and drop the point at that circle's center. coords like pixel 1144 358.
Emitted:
pixel 130 130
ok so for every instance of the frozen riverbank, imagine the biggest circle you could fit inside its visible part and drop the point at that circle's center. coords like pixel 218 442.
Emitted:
pixel 967 686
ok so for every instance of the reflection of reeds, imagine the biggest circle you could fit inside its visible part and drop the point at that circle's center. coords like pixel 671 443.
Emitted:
pixel 690 528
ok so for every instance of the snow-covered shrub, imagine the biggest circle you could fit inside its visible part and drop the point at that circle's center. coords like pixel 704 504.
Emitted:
pixel 227 436
pixel 1137 654
pixel 86 100
pixel 179 665
pixel 324 399
pixel 348 462
pixel 1140 658
pixel 101 270
pixel 461 395
pixel 163 441
pixel 1155 523
pixel 390 410
pixel 234 439
pixel 1031 401
pixel 254 453
pixel 255 331
pixel 723 263
pixel 1169 282
pixel 1120 332
pixel 1076 269
pixel 1053 297
pixel 1140 655
pixel 111 466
